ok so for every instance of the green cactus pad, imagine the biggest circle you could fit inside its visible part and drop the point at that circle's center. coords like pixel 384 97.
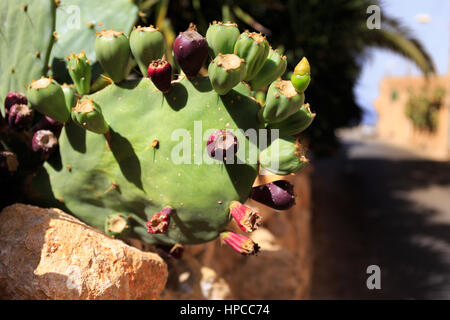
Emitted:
pixel 26 28
pixel 221 38
pixel 77 22
pixel 145 175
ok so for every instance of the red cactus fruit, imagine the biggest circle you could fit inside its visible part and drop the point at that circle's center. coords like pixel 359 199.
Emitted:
pixel 159 223
pixel 247 219
pixel 160 72
pixel 240 243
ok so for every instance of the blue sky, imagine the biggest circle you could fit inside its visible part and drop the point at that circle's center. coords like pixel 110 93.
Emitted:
pixel 434 35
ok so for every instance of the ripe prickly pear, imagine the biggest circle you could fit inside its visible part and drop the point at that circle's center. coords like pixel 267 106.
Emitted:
pixel 190 50
pixel 112 50
pixel 159 223
pixel 282 101
pixel 117 225
pixel 13 98
pixel 273 68
pixel 225 72
pixel 221 38
pixel 147 44
pixel 160 72
pixel 247 219
pixel 278 195
pixel 80 72
pixel 47 123
pixel 240 243
pixel 283 156
pixel 44 141
pixel 301 76
pixel 254 49
pixel 47 97
pixel 20 116
pixel 222 145
pixel 295 123
pixel 87 114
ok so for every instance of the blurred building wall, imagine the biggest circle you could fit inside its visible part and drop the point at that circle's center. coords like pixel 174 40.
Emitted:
pixel 393 124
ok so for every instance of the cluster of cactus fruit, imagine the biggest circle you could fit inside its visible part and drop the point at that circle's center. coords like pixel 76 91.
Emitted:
pixel 114 167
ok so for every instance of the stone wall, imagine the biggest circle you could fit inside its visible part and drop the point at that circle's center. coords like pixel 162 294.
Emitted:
pixel 393 126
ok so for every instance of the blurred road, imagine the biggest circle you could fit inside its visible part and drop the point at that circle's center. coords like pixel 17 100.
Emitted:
pixel 378 204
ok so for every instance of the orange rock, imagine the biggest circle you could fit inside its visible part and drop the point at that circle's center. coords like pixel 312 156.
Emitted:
pixel 48 254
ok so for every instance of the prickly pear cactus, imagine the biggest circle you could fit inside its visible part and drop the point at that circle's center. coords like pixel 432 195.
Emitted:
pixel 26 38
pixel 172 162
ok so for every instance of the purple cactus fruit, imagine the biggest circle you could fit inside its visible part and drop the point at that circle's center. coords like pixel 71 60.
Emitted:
pixel 47 123
pixel 160 72
pixel 278 195
pixel 159 223
pixel 191 50
pixel 13 98
pixel 44 141
pixel 222 144
pixel 20 116
pixel 8 163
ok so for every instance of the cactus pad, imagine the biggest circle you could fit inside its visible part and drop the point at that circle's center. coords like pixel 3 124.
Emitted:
pixel 26 39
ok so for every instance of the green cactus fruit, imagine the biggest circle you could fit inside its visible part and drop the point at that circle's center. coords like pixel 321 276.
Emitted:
pixel 282 100
pixel 296 123
pixel 47 97
pixel 301 76
pixel 80 72
pixel 221 38
pixel 117 225
pixel 225 72
pixel 69 95
pixel 87 114
pixel 283 156
pixel 254 49
pixel 147 44
pixel 112 50
pixel 273 68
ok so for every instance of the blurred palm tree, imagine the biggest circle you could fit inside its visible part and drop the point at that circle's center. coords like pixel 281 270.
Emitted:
pixel 332 34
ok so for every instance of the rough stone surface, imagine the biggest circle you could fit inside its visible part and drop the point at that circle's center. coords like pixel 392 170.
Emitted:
pixel 48 254
pixel 282 269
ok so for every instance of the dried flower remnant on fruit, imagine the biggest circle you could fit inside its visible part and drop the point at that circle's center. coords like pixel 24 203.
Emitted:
pixel 240 243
